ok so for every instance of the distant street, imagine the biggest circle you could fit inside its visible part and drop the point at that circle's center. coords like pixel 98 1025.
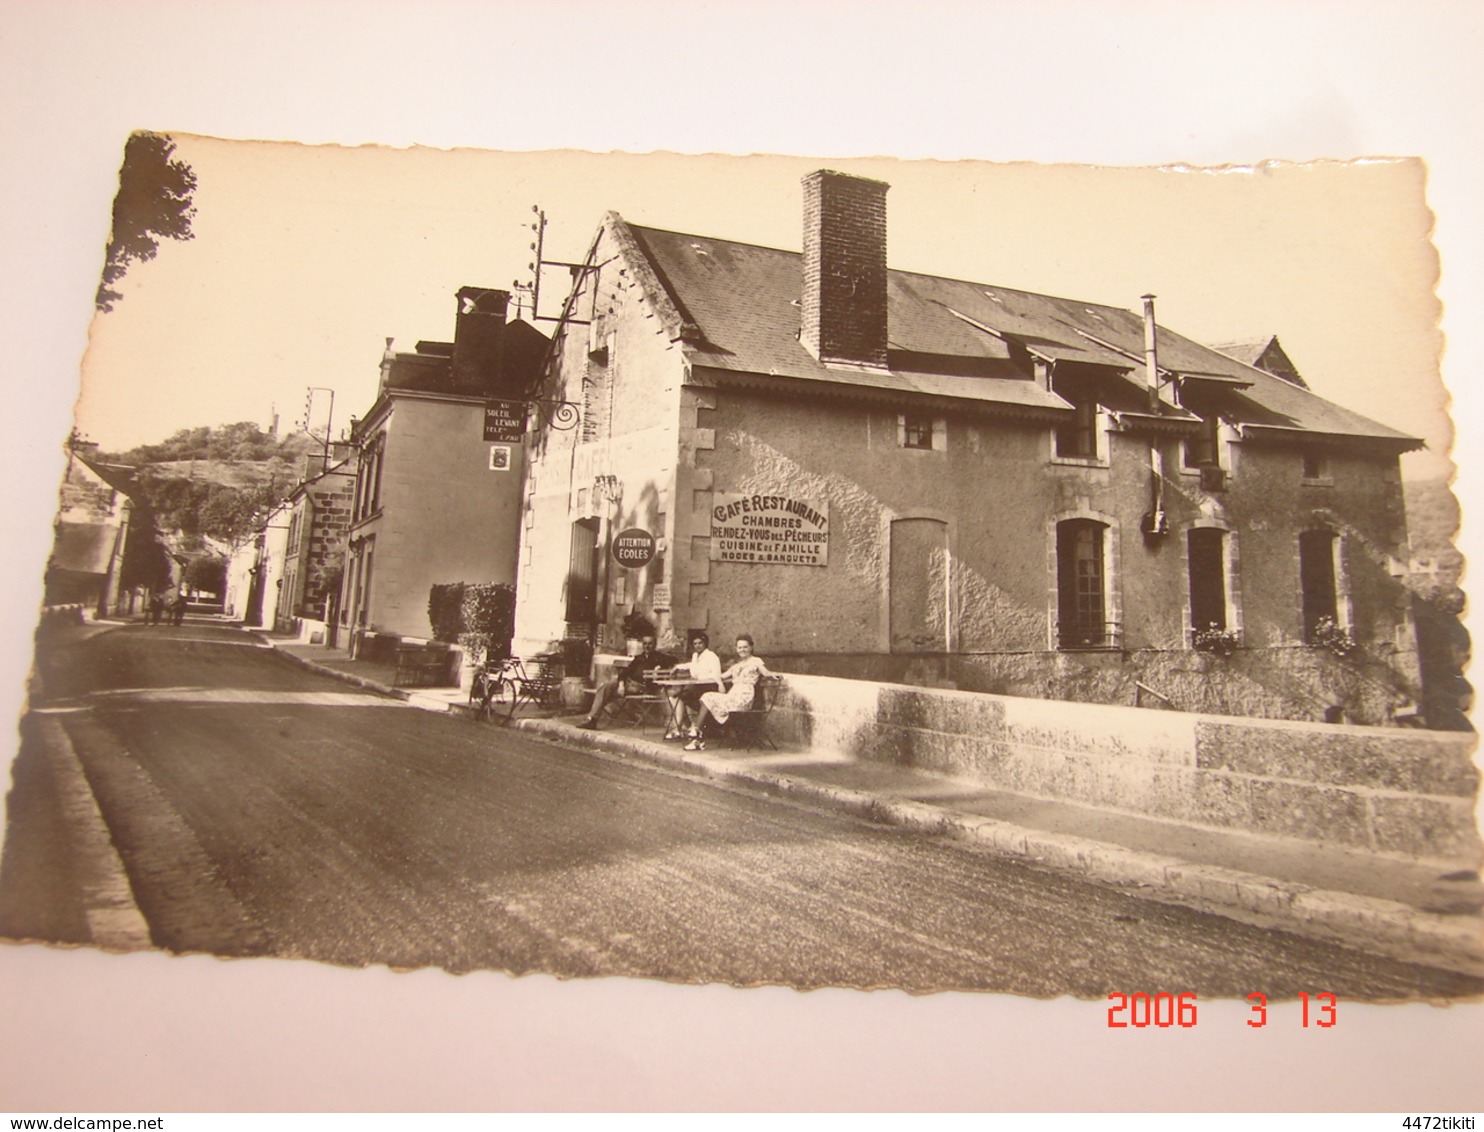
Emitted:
pixel 261 809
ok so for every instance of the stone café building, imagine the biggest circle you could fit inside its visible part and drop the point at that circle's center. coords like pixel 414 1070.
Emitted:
pixel 905 478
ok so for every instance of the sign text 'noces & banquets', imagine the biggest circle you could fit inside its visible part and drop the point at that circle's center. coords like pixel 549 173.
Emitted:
pixel 775 529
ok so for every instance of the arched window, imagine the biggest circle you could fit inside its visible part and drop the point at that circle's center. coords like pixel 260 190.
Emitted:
pixel 920 576
pixel 1206 560
pixel 1081 573
pixel 1317 579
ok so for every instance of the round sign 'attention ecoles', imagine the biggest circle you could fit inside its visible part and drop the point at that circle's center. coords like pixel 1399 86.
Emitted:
pixel 633 548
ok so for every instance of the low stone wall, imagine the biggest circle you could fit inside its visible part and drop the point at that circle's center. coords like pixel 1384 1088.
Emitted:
pixel 310 631
pixel 1383 789
pixel 1292 682
pixel 57 616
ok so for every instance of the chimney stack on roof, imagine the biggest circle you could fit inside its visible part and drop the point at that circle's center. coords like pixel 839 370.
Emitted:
pixel 477 338
pixel 1151 352
pixel 844 300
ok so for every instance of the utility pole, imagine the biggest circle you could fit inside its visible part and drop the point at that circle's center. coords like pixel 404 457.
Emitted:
pixel 329 417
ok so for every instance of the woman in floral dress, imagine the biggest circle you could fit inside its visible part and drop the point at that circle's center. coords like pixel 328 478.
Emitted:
pixel 743 677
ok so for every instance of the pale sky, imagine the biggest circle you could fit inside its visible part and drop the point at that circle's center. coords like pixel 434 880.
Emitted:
pixel 306 258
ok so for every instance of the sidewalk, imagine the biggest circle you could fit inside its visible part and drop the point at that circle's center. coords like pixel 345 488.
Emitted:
pixel 365 673
pixel 1390 905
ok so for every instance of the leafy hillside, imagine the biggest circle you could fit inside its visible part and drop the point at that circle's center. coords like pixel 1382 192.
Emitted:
pixel 241 442
pixel 211 481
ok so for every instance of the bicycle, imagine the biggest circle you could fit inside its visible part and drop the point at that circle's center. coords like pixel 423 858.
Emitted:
pixel 494 689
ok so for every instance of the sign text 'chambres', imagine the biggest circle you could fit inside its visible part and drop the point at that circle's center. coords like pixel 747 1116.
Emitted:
pixel 775 529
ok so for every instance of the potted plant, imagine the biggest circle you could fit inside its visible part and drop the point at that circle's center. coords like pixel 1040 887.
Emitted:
pixel 1331 635
pixel 577 662
pixel 635 628
pixel 1214 639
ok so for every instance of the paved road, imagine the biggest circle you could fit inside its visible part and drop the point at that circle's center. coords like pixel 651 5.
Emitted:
pixel 261 809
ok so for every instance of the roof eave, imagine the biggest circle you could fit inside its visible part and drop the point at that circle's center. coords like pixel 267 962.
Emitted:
pixel 845 391
pixel 1181 425
pixel 1398 442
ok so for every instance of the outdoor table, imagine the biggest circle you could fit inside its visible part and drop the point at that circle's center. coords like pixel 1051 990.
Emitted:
pixel 676 683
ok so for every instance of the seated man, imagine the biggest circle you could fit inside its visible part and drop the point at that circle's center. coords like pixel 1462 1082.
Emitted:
pixel 630 679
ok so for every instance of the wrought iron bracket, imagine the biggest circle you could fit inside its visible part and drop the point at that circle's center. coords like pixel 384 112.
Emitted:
pixel 560 415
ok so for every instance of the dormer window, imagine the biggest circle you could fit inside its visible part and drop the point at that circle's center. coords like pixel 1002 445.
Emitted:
pixel 1204 450
pixel 1078 438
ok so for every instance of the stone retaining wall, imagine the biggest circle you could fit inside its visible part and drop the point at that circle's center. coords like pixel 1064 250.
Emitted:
pixel 1390 790
pixel 1294 681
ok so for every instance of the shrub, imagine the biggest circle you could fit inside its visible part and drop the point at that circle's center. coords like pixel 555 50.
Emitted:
pixel 446 610
pixel 478 615
pixel 489 610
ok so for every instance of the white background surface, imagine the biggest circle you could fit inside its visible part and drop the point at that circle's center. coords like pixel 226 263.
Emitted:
pixel 1132 83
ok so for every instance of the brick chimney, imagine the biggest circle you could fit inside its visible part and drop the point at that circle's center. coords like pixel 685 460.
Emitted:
pixel 844 300
pixel 478 335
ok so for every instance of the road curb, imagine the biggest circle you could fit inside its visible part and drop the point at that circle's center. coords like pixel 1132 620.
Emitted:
pixel 112 914
pixel 413 697
pixel 1455 943
pixel 1397 930
pixel 325 670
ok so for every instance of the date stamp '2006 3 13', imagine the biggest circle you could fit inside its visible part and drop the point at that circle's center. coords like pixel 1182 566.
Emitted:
pixel 1165 1010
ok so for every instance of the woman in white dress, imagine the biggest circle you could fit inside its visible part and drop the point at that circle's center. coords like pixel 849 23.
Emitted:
pixel 717 706
pixel 703 667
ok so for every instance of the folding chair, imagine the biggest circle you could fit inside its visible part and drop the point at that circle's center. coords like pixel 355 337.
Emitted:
pixel 541 689
pixel 747 728
pixel 637 707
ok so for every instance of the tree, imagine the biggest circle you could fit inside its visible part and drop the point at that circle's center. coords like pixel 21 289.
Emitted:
pixel 208 573
pixel 230 513
pixel 153 203
pixel 146 564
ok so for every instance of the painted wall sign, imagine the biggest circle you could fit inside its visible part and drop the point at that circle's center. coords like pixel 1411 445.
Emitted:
pixel 777 529
pixel 633 548
pixel 504 421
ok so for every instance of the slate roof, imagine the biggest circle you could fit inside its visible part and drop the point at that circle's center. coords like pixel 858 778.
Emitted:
pixel 1245 352
pixel 744 300
pixel 954 338
pixel 120 477
pixel 1268 355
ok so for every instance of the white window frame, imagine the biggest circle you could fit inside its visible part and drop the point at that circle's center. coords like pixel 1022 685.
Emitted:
pixel 939 426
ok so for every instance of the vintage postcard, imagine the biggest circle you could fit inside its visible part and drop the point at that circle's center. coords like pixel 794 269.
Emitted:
pixel 762 571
